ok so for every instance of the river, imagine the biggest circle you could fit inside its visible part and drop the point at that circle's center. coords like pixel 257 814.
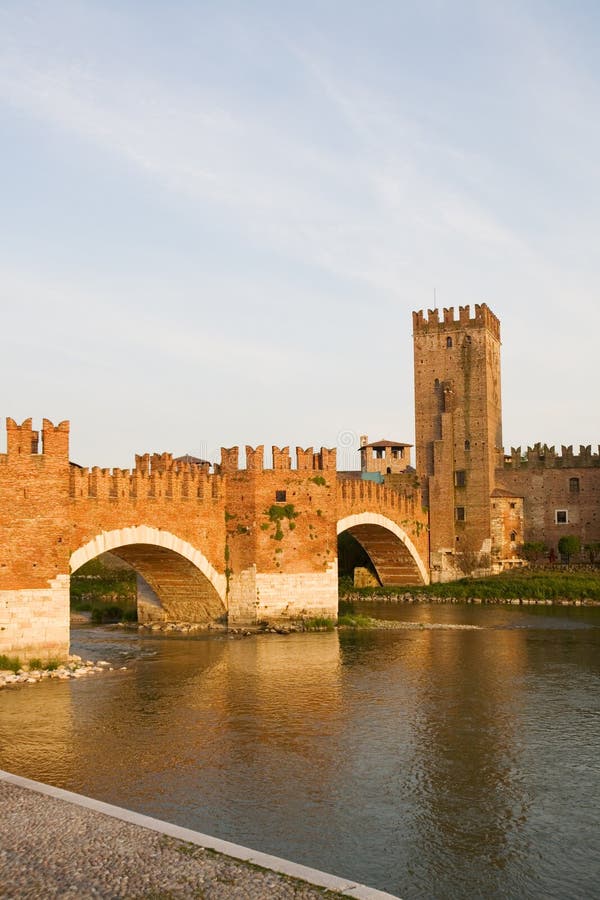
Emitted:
pixel 428 763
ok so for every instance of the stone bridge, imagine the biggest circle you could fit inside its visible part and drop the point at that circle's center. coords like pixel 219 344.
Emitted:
pixel 239 544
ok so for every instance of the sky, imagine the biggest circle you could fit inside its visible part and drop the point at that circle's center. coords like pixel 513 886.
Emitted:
pixel 217 217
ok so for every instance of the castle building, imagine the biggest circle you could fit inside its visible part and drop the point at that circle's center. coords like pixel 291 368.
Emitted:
pixel 483 506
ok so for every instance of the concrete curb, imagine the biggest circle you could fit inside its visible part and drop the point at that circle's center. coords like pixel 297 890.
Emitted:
pixel 244 854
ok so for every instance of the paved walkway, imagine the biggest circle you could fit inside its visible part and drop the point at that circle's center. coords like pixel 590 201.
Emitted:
pixel 54 844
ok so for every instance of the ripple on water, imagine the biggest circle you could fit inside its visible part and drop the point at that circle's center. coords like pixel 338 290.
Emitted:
pixel 427 762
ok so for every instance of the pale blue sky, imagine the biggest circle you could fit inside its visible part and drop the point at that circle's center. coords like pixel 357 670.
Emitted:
pixel 216 218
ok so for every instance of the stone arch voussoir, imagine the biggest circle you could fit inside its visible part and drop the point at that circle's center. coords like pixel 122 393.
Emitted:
pixel 368 518
pixel 145 534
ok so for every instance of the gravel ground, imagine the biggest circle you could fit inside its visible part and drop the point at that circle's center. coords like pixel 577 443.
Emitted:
pixel 50 848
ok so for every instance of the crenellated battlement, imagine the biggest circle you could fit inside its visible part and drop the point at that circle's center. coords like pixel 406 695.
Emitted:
pixel 542 456
pixel 23 441
pixel 353 491
pixel 483 318
pixel 307 459
pixel 185 482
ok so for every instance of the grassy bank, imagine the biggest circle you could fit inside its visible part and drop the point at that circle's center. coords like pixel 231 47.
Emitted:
pixel 524 585
pixel 110 595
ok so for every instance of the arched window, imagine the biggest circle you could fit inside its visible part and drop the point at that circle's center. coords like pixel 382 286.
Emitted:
pixel 448 342
pixel 513 536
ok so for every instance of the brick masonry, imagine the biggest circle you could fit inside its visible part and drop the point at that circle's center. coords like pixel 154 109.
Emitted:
pixel 257 543
pixel 247 544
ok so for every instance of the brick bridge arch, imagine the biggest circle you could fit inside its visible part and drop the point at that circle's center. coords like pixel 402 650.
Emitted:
pixel 393 554
pixel 181 578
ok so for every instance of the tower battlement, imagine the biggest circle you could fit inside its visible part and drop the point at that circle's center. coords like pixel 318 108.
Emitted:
pixel 483 318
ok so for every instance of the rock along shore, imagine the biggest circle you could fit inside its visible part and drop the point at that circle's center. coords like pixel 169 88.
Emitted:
pixel 54 844
pixel 356 597
pixel 75 667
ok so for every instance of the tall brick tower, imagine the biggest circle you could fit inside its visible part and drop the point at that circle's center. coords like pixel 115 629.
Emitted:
pixel 458 427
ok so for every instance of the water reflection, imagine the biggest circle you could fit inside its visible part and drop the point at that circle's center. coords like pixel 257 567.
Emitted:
pixel 471 798
pixel 427 763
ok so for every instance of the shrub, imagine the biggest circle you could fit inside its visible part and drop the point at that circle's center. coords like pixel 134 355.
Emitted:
pixel 319 623
pixel 569 545
pixel 355 621
pixel 10 662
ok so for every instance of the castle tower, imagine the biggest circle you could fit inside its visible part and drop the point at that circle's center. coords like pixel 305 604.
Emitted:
pixel 458 428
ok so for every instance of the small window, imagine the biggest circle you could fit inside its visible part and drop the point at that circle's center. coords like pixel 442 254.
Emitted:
pixel 467 445
pixel 460 478
pixel 574 485
pixel 460 514
pixel 378 453
pixel 561 516
pixel 280 496
pixel 448 342
pixel 389 470
pixel 513 536
pixel 436 384
pixel 513 505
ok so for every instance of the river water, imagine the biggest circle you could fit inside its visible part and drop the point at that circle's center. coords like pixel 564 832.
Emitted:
pixel 438 763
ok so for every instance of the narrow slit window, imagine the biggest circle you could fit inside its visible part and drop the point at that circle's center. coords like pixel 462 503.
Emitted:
pixel 460 514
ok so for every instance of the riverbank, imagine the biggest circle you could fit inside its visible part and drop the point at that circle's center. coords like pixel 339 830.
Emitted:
pixel 404 597
pixel 54 843
pixel 527 588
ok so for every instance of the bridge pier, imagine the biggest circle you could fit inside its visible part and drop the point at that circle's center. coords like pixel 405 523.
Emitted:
pixel 34 622
pixel 280 597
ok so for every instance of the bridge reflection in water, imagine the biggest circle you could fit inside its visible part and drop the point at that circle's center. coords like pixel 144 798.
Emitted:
pixel 427 763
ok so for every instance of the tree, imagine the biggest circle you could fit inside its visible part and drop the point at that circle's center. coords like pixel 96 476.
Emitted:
pixel 533 551
pixel 569 545
pixel 593 549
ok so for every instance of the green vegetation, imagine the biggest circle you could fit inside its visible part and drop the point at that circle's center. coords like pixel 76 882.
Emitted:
pixel 569 545
pixel 51 665
pixel 533 551
pixel 10 662
pixel 277 514
pixel 318 479
pixel 319 623
pixel 110 595
pixel 356 621
pixel 524 585
pixel 593 551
